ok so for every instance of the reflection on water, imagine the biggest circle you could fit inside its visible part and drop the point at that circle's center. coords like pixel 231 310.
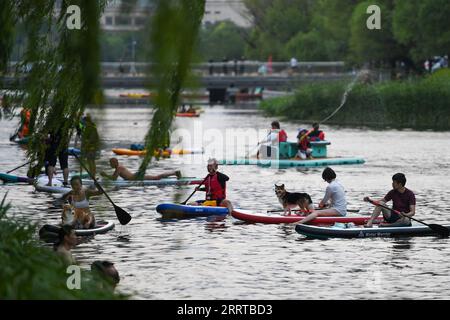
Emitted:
pixel 186 259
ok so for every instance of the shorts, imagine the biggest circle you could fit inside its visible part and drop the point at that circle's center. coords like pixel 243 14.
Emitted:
pixel 389 216
pixel 218 202
pixel 51 157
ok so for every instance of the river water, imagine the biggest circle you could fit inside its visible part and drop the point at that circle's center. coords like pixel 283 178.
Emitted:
pixel 200 259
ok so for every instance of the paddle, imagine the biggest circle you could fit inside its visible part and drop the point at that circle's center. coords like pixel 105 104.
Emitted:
pixel 195 190
pixel 348 210
pixel 123 216
pixel 23 165
pixel 441 230
pixel 259 143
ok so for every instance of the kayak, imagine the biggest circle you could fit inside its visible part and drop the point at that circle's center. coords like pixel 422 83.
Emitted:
pixel 187 114
pixel 323 162
pixel 74 151
pixel 388 232
pixel 129 152
pixel 21 141
pixel 180 210
pixel 9 178
pixel 50 232
pixel 134 95
pixel 249 216
pixel 161 182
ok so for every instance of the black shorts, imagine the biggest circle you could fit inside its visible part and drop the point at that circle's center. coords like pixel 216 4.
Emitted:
pixel 394 217
pixel 51 157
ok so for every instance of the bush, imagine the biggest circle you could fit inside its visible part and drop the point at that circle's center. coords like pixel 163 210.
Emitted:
pixel 30 271
pixel 417 103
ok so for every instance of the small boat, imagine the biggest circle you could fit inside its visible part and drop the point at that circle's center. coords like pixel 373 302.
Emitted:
pixel 179 210
pixel 251 217
pixel 187 114
pixel 322 162
pixel 50 232
pixel 130 152
pixel 375 232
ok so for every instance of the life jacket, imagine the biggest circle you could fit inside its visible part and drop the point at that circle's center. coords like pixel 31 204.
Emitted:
pixel 215 186
pixel 282 136
pixel 25 128
pixel 304 144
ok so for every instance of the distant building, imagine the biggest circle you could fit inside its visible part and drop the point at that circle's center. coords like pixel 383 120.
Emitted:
pixel 222 10
pixel 115 18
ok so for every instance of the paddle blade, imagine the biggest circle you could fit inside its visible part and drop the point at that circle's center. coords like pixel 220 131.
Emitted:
pixel 441 230
pixel 122 215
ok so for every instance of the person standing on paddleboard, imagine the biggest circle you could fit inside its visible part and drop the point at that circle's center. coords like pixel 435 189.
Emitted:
pixel 215 187
pixel 57 150
pixel 403 201
pixel 334 195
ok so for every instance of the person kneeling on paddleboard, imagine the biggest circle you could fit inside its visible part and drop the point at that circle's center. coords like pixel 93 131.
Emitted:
pixel 334 194
pixel 124 173
pixel 215 187
pixel 82 217
pixel 403 201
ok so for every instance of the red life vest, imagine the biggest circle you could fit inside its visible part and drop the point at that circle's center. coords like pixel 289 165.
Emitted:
pixel 282 136
pixel 214 190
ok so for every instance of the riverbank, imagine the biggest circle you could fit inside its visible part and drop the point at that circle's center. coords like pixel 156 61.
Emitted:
pixel 32 271
pixel 418 104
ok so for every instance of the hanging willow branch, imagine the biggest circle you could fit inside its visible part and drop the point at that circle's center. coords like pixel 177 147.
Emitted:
pixel 63 66
pixel 173 33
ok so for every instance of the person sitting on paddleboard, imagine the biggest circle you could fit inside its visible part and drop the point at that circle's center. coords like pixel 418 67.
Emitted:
pixel 215 187
pixel 82 217
pixel 403 200
pixel 124 173
pixel 304 145
pixel 334 195
pixel 275 136
pixel 316 134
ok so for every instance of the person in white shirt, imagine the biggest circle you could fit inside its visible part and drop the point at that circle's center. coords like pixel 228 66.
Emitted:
pixel 334 196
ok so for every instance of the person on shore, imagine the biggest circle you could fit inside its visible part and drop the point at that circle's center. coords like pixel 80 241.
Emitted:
pixel 82 218
pixel 403 201
pixel 334 203
pixel 215 186
pixel 67 240
pixel 316 134
pixel 106 271
pixel 124 173
pixel 304 145
pixel 90 144
pixel 57 146
pixel 273 138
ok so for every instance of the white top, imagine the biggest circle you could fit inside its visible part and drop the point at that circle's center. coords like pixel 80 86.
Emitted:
pixel 336 193
pixel 271 137
pixel 294 62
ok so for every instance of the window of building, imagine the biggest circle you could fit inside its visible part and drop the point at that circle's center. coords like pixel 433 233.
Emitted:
pixel 139 21
pixel 123 20
pixel 109 21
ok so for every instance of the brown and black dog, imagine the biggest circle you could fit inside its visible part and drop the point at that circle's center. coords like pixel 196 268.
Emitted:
pixel 290 200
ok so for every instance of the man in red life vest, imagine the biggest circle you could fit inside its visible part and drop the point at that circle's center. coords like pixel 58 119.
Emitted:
pixel 215 187
pixel 316 134
pixel 275 136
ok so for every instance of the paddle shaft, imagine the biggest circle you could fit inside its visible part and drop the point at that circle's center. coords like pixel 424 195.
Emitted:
pixel 195 190
pixel 123 216
pixel 349 210
pixel 23 165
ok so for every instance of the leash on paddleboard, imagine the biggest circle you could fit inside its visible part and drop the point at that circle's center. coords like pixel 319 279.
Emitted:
pixel 441 230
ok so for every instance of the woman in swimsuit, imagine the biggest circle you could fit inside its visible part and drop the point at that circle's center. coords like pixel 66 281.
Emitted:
pixel 82 217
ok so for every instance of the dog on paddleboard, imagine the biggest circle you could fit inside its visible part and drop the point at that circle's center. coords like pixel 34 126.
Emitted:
pixel 290 200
